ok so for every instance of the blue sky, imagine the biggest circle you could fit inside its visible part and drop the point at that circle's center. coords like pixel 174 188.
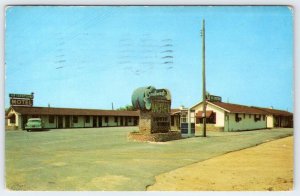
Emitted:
pixel 89 57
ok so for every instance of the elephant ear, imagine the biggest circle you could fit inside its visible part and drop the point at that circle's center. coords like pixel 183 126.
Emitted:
pixel 148 104
pixel 147 99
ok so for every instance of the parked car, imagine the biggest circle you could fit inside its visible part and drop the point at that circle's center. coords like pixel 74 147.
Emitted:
pixel 34 124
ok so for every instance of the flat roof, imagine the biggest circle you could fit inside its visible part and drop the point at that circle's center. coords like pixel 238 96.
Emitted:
pixel 71 111
pixel 75 111
pixel 243 109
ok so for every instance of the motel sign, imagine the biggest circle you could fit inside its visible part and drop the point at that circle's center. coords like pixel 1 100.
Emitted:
pixel 21 99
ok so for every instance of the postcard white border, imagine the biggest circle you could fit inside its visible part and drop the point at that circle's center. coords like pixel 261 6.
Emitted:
pixel 296 7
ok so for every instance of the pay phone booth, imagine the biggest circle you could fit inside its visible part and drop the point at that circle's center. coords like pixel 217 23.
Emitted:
pixel 187 122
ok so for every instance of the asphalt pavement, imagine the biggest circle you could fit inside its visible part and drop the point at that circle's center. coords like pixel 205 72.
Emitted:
pixel 104 159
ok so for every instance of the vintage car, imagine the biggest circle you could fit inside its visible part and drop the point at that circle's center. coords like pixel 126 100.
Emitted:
pixel 34 124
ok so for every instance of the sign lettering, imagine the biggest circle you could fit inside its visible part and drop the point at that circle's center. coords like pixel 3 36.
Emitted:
pixel 21 99
pixel 21 102
pixel 214 98
pixel 21 96
pixel 158 92
pixel 160 107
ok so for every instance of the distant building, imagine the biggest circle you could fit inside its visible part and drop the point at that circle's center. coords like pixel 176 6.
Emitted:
pixel 233 117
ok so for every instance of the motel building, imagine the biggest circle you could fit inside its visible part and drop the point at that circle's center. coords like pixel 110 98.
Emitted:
pixel 222 116
pixel 59 118
pixel 17 117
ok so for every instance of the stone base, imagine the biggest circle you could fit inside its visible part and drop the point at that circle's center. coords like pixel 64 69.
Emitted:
pixel 155 137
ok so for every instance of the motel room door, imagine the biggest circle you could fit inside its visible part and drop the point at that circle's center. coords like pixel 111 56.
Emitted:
pixel 94 121
pixel 60 122
pixel 67 121
pixel 126 121
pixel 121 121
pixel 135 121
pixel 100 121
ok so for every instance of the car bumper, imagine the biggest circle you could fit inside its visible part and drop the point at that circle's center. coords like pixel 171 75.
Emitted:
pixel 32 128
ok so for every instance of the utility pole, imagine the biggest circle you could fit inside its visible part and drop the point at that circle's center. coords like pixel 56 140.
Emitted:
pixel 203 80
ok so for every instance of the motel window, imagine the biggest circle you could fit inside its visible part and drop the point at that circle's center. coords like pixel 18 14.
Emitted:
pixel 183 119
pixel 106 119
pixel 129 119
pixel 13 119
pixel 249 115
pixel 264 117
pixel 75 119
pixel 257 117
pixel 87 119
pixel 237 118
pixel 51 119
pixel 209 119
pixel 116 119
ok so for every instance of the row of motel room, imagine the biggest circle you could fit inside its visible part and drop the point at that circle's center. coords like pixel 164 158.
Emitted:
pixel 220 117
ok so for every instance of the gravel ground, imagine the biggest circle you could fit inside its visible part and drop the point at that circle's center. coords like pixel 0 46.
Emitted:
pixel 267 167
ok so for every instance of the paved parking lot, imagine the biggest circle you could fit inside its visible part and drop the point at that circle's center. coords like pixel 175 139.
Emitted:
pixel 103 158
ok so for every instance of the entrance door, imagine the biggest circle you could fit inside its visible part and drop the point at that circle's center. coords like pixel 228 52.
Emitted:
pixel 60 122
pixel 121 121
pixel 94 121
pixel 67 121
pixel 100 121
pixel 24 121
pixel 126 123
pixel 135 121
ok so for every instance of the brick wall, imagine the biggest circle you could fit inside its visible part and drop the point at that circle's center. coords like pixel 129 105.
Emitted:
pixel 145 122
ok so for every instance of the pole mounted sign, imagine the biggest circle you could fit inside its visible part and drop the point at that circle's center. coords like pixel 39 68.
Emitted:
pixel 213 98
pixel 21 99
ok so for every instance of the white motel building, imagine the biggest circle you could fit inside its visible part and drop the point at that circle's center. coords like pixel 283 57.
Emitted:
pixel 220 117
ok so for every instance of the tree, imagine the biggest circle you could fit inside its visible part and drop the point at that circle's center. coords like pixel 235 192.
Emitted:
pixel 127 108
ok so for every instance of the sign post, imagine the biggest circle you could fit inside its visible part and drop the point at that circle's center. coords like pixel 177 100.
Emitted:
pixel 203 79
